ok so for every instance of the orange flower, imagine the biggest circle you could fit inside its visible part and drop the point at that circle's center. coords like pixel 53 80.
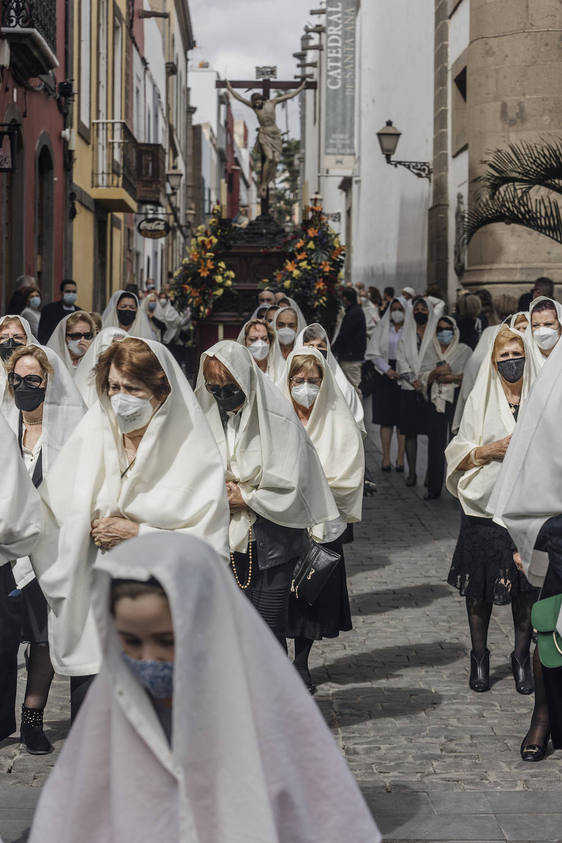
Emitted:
pixel 300 244
pixel 325 267
pixel 203 272
pixel 301 256
pixel 312 232
pixel 290 266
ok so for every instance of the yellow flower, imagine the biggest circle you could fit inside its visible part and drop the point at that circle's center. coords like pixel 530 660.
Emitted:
pixel 219 279
pixel 287 284
pixel 228 283
pixel 219 292
pixel 297 273
pixel 310 245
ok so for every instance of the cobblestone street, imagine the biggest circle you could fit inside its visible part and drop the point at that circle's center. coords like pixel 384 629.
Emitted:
pixel 435 761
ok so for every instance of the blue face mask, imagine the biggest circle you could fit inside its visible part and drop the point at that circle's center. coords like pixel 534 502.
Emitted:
pixel 445 337
pixel 156 677
pixel 69 298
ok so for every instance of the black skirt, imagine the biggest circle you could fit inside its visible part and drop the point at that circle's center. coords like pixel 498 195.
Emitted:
pixel 331 613
pixel 414 413
pixel 552 676
pixel 483 568
pixel 10 626
pixel 35 615
pixel 386 401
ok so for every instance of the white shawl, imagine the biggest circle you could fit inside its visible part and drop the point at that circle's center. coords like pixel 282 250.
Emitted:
pixel 273 460
pixel 348 391
pixel 275 361
pixel 333 432
pixel 537 355
pixel 20 507
pixel 457 355
pixel 176 483
pixel 301 325
pixel 168 315
pixel 251 759
pixel 377 347
pixel 85 376
pixel 140 328
pixel 487 418
pixel 30 341
pixel 57 342
pixel 409 358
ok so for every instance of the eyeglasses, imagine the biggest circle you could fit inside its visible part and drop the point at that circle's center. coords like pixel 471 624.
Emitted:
pixel 32 381
pixel 227 391
pixel 16 337
pixel 300 381
pixel 76 335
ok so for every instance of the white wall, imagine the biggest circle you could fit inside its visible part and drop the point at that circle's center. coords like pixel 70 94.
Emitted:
pixel 395 59
pixel 204 96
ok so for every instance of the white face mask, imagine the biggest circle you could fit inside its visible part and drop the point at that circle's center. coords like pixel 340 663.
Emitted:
pixel 286 335
pixel 397 316
pixel 131 412
pixel 546 337
pixel 74 348
pixel 259 349
pixel 305 394
pixel 163 302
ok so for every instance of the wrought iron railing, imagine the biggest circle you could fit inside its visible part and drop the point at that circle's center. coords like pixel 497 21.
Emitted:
pixel 32 14
pixel 114 156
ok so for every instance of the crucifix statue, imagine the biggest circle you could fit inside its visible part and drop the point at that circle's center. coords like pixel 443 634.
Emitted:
pixel 269 141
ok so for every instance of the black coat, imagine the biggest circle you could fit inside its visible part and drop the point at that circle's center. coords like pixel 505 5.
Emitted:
pixel 51 315
pixel 351 342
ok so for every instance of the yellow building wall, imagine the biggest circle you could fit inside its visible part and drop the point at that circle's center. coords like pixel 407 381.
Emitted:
pixel 83 257
pixel 116 280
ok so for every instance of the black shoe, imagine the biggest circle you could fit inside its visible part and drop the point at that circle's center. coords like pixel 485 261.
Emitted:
pixel 386 468
pixel 32 735
pixel 431 496
pixel 307 679
pixel 411 480
pixel 534 751
pixel 523 675
pixel 369 488
pixel 399 469
pixel 480 672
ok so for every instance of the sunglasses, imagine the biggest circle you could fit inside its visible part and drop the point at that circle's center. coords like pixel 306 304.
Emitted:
pixel 226 391
pixel 32 381
pixel 76 335
pixel 127 307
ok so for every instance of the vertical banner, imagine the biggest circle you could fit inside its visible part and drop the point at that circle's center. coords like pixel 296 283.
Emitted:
pixel 339 140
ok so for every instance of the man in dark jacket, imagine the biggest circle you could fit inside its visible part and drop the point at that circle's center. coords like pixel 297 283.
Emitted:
pixel 351 341
pixel 52 313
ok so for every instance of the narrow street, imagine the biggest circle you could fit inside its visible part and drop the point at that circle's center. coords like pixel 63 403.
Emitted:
pixel 435 761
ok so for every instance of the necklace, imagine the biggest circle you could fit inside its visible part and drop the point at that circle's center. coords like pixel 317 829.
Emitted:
pixel 250 562
pixel 28 423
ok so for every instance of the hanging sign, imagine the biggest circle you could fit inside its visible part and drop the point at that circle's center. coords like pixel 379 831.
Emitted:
pixel 339 139
pixel 153 227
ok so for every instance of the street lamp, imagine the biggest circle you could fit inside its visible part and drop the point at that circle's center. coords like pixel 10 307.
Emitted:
pixel 388 137
pixel 174 180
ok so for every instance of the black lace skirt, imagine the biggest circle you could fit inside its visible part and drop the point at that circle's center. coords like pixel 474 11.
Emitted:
pixel 483 568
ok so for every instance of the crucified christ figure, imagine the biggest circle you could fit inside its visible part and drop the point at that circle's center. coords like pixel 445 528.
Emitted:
pixel 269 140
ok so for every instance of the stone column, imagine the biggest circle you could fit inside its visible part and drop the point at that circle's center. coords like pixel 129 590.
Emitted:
pixel 514 94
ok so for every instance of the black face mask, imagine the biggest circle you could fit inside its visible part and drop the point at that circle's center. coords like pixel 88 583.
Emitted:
pixel 8 347
pixel 229 399
pixel 511 370
pixel 27 398
pixel 324 352
pixel 421 317
pixel 126 317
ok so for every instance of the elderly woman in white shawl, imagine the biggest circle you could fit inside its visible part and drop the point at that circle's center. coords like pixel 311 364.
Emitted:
pixel 446 358
pixel 85 377
pixel 482 568
pixel 382 349
pixel 20 523
pixel 258 337
pixel 543 333
pixel 411 363
pixel 123 312
pixel 197 728
pixel 141 460
pixel 275 484
pixel 72 338
pixel 322 410
pixel 287 322
pixel 43 408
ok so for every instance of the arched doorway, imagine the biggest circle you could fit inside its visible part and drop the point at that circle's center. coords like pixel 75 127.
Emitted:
pixel 44 219
pixel 13 221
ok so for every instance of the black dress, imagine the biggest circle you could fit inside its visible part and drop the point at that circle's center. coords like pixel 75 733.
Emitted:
pixel 10 626
pixel 483 568
pixel 386 400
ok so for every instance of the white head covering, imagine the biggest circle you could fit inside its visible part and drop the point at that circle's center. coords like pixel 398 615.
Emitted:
pixel 168 315
pixel 410 290
pixel 85 378
pixel 140 328
pixel 177 483
pixel 487 418
pixel 273 460
pixel 378 344
pixel 538 357
pixel 456 354
pixel 300 315
pixel 333 432
pixel 275 361
pixel 30 341
pixel 301 325
pixel 251 758
pixel 349 393
pixel 57 341
pixel 529 487
pixel 409 358
pixel 20 507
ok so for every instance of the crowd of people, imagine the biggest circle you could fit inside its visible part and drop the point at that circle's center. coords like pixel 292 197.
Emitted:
pixel 151 531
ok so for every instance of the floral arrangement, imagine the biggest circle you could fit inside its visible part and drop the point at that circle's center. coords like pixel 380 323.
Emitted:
pixel 201 278
pixel 313 268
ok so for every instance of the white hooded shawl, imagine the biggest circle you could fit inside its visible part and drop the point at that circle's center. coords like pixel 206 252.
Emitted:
pixel 168 315
pixel 275 360
pixel 251 759
pixel 277 468
pixel 409 357
pixel 301 325
pixel 537 355
pixel 140 328
pixel 85 376
pixel 30 341
pixel 456 354
pixel 176 483
pixel 20 507
pixel 57 342
pixel 487 418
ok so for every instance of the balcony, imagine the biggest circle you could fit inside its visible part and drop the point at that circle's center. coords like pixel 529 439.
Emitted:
pixel 114 166
pixel 151 173
pixel 30 28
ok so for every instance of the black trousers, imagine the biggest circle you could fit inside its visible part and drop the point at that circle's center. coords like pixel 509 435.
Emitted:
pixel 438 435
pixel 10 636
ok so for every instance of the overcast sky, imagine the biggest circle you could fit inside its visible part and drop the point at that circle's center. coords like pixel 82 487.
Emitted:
pixel 236 35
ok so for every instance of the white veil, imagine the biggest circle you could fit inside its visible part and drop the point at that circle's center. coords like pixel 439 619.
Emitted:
pixel 275 361
pixel 140 328
pixel 20 507
pixel 538 357
pixel 57 342
pixel 410 358
pixel 84 378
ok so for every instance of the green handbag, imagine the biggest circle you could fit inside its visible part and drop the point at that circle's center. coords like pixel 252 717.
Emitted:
pixel 544 617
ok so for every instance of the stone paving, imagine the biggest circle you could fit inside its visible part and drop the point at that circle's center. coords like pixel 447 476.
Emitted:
pixel 435 761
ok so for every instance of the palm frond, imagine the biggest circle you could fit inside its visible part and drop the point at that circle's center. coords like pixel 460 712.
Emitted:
pixel 524 165
pixel 516 207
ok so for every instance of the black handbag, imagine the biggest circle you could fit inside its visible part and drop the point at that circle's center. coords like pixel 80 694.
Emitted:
pixel 368 378
pixel 313 571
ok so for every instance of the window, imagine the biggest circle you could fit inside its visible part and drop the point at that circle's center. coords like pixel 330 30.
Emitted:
pixel 85 58
pixel 117 68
